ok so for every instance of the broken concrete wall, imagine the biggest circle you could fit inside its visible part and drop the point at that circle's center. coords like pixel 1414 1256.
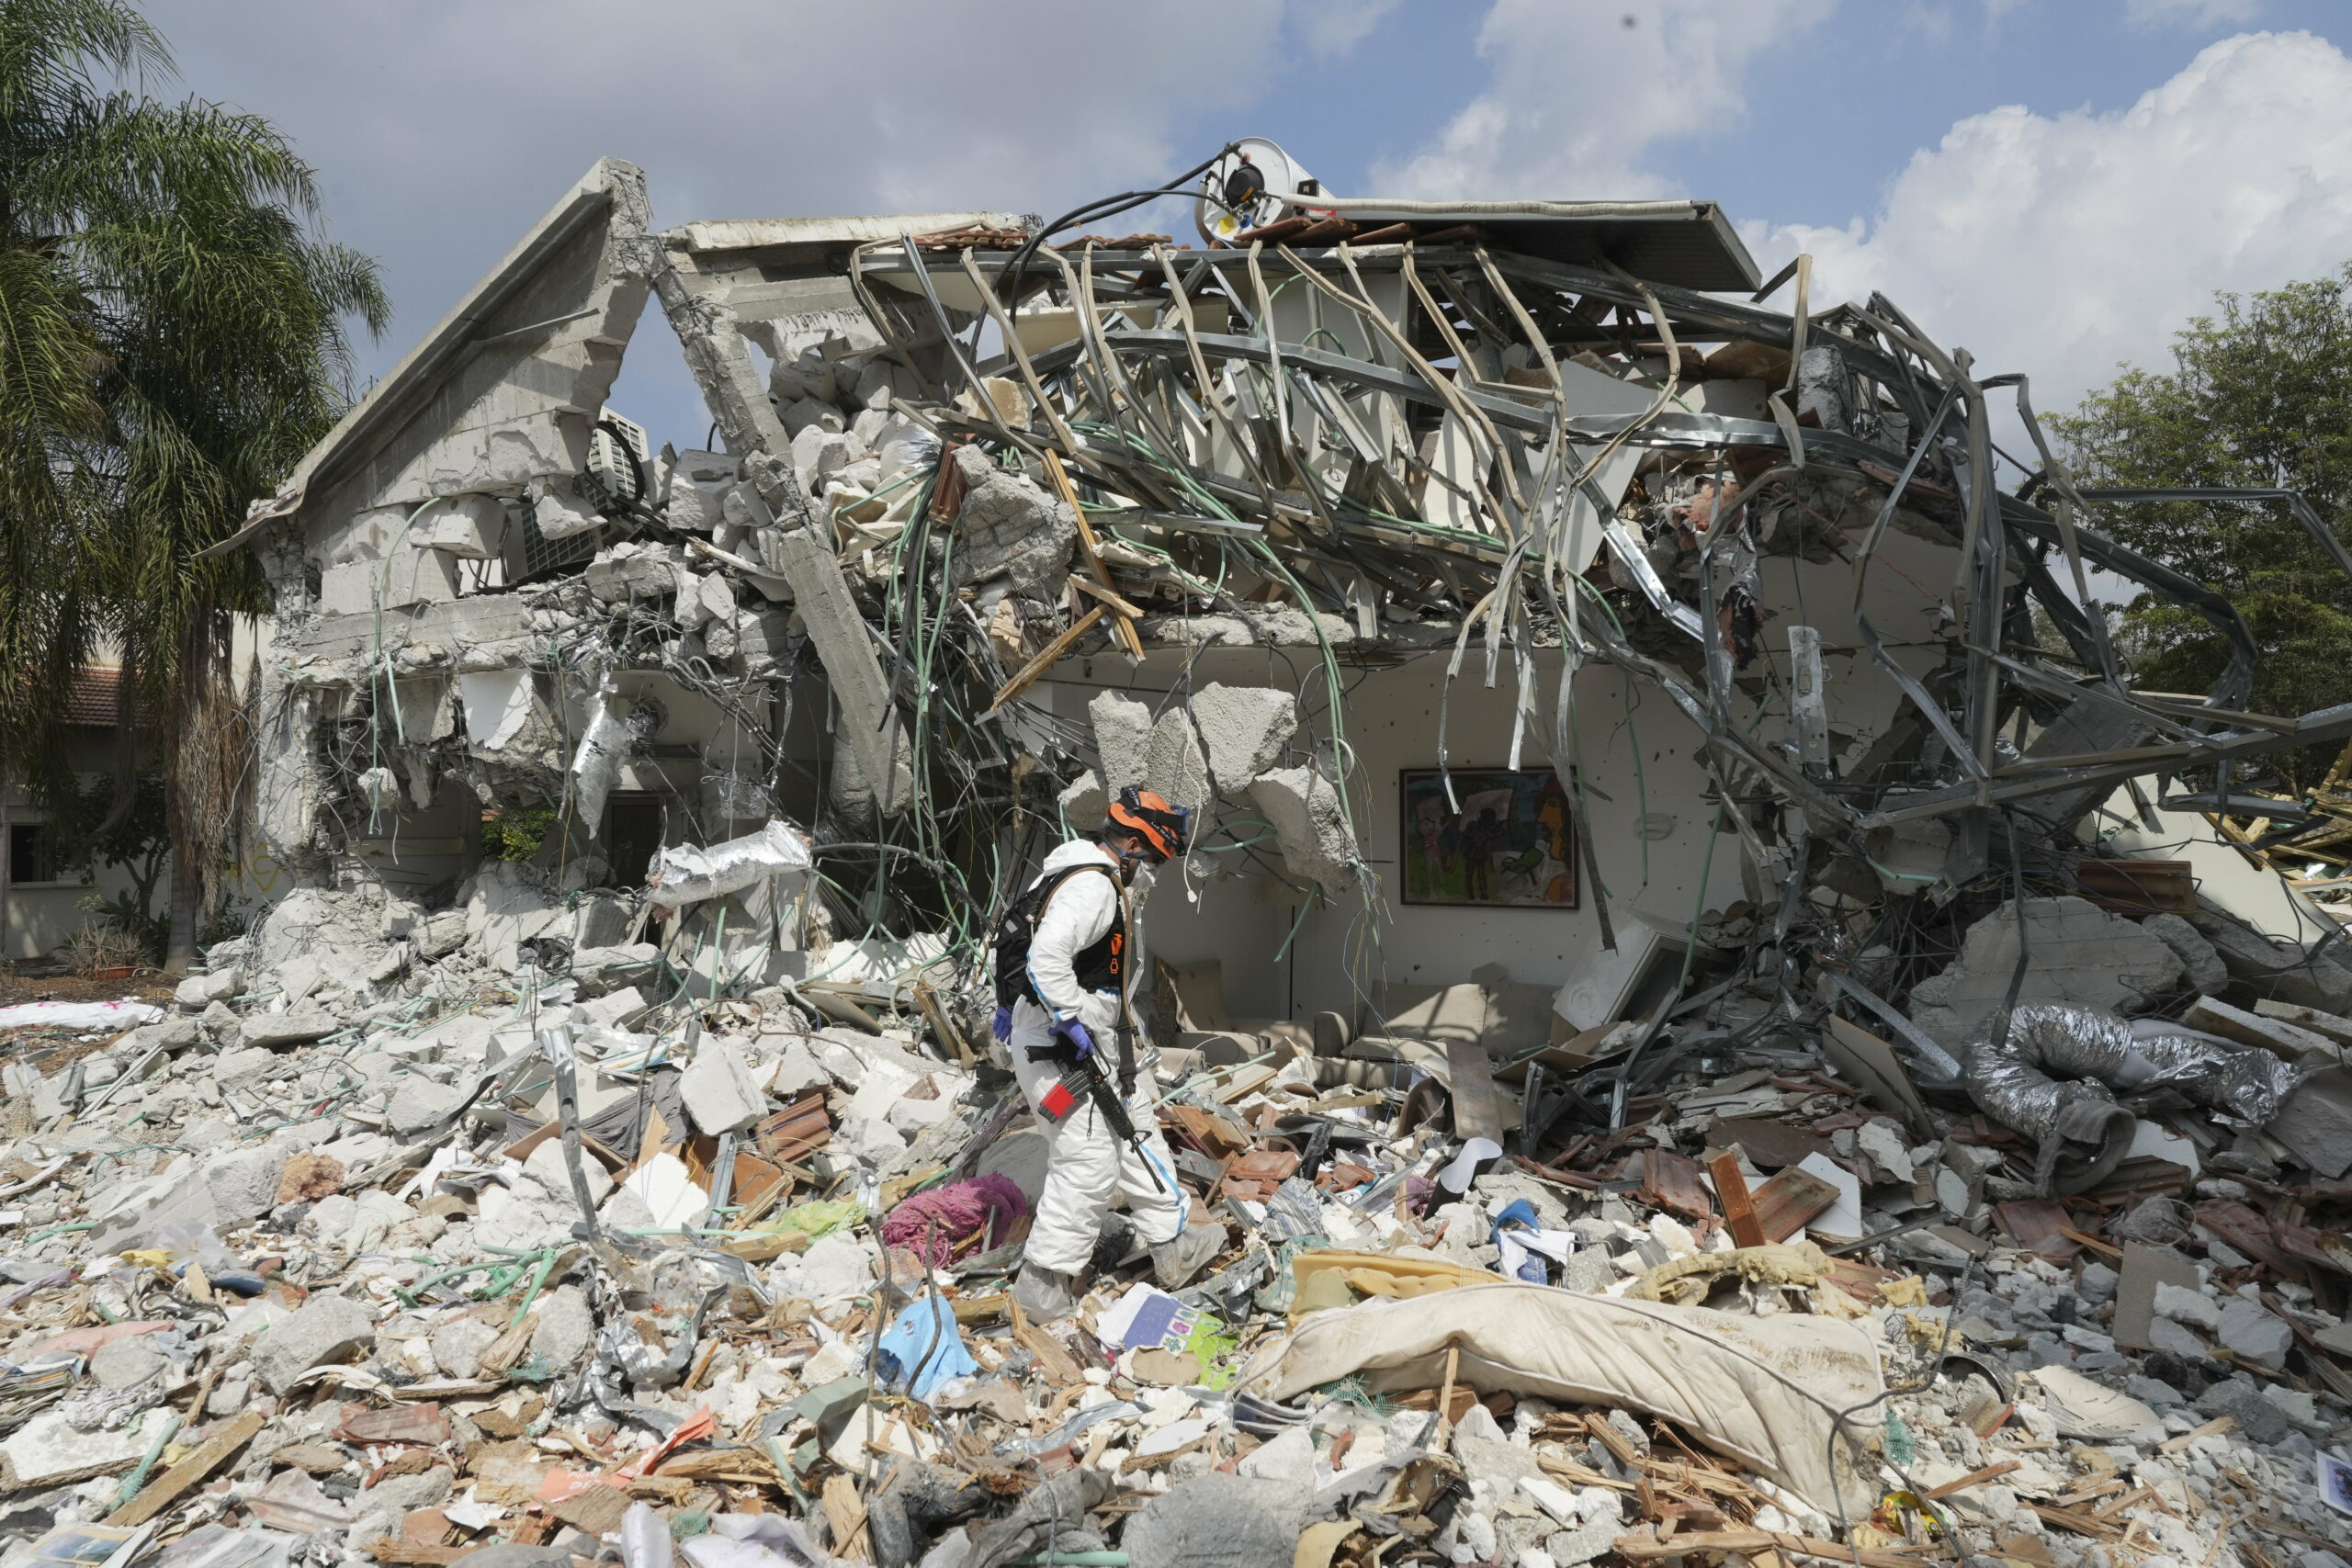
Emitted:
pixel 519 376
pixel 1246 912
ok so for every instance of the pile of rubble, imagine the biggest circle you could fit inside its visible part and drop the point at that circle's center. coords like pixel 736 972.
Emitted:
pixel 411 1236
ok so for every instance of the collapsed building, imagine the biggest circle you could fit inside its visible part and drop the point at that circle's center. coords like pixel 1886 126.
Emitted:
pixel 1627 719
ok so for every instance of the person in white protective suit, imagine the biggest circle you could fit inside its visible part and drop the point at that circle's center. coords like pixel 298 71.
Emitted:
pixel 1063 1001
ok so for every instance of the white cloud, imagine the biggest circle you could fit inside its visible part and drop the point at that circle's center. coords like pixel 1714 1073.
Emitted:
pixel 1332 27
pixel 2198 15
pixel 1580 92
pixel 2061 245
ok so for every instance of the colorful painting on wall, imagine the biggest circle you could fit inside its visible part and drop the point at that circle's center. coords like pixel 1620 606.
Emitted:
pixel 1511 846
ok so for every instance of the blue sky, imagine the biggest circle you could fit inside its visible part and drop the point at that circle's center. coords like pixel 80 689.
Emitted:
pixel 2057 185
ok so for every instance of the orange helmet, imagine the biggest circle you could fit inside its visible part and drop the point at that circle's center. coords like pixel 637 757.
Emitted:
pixel 1160 825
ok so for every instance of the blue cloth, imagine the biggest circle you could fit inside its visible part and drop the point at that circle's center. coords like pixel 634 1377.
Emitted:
pixel 923 1350
pixel 1519 1214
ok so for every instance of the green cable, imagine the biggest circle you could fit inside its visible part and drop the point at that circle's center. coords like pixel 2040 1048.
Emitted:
pixel 132 1483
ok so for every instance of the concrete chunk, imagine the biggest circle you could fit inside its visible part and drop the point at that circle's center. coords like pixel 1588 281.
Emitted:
pixel 2254 1334
pixel 199 991
pixel 1122 739
pixel 296 1028
pixel 2326 1024
pixel 418 1103
pixel 2271 1034
pixel 2279 970
pixel 1245 730
pixel 564 1328
pixel 1084 801
pixel 46 1452
pixel 2076 952
pixel 1316 841
pixel 244 1181
pixel 2315 1122
pixel 1174 766
pixel 2206 970
pixel 1009 529
pixel 458 1344
pixel 720 1092
pixel 325 1330
pixel 2192 1307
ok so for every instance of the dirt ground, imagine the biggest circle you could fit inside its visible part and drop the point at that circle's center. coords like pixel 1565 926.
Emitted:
pixel 144 985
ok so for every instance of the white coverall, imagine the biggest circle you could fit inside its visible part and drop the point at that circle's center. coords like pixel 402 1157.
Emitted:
pixel 1087 1164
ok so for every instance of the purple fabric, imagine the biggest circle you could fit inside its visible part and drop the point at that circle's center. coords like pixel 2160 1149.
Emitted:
pixel 948 1214
pixel 1418 1191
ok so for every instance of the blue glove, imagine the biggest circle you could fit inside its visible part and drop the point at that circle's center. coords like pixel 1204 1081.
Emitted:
pixel 1069 1029
pixel 1002 1027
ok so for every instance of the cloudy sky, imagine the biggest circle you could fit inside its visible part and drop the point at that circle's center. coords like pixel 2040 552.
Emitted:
pixel 2055 184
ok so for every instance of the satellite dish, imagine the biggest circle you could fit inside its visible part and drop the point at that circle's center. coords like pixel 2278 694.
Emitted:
pixel 1270 174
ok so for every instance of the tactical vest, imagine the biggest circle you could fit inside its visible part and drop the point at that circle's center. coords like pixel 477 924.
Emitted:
pixel 1100 965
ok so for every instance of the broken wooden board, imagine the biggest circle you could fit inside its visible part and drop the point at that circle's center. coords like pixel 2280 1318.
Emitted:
pixel 1730 1191
pixel 1477 1105
pixel 1871 1065
pixel 201 1461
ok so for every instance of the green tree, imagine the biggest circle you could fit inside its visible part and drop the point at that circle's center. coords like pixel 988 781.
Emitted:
pixel 133 838
pixel 171 342
pixel 2259 395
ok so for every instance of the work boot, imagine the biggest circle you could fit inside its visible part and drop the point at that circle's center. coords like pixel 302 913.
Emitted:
pixel 1043 1295
pixel 1175 1263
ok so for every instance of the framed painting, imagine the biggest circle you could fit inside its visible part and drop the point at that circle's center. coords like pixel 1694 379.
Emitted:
pixel 1511 844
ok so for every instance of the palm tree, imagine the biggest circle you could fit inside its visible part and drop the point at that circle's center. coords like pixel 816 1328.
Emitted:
pixel 171 342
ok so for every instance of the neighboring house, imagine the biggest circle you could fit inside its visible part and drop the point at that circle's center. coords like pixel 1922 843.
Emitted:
pixel 42 887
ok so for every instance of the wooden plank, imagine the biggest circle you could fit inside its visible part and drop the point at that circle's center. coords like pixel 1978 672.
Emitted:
pixel 1027 676
pixel 1125 629
pixel 416 1554
pixel 1095 591
pixel 1647 1547
pixel 2037 1226
pixel 1870 1062
pixel 1477 1107
pixel 1973 1478
pixel 1730 1191
pixel 940 1024
pixel 2247 1231
pixel 2112 1254
pixel 845 1512
pixel 208 1456
pixel 1060 1368
pixel 1785 1204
